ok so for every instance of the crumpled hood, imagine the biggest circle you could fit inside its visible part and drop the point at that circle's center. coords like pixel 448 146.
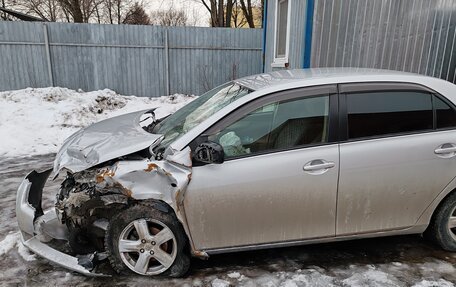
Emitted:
pixel 103 141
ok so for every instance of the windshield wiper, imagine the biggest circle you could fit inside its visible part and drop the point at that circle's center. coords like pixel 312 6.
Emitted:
pixel 150 126
pixel 152 116
pixel 155 122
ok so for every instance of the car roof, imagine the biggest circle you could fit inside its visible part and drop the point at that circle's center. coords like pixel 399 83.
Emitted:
pixel 334 75
pixel 268 83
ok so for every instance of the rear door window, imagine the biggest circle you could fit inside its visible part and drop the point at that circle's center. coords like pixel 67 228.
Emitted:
pixel 372 114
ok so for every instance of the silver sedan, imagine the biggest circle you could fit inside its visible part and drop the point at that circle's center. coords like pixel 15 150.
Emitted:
pixel 278 159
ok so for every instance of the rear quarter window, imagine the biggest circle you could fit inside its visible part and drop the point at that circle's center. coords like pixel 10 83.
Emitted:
pixel 445 114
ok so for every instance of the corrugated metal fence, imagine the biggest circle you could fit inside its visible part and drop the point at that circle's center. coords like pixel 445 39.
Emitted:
pixel 408 35
pixel 132 60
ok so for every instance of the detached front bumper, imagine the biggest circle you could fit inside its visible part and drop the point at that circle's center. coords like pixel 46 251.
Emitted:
pixel 38 227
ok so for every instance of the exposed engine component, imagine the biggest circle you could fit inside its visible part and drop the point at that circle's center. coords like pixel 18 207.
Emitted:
pixel 81 202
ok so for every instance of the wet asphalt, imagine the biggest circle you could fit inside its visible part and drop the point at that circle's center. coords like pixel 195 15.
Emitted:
pixel 392 261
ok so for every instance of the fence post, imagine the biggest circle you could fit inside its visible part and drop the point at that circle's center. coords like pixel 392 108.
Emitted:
pixel 167 87
pixel 48 54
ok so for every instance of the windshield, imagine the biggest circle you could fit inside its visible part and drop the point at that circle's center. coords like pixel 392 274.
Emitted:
pixel 197 111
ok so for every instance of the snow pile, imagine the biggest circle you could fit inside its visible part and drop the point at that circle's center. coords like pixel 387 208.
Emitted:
pixel 311 277
pixel 24 252
pixel 439 266
pixel 220 283
pixel 37 121
pixel 315 276
pixel 11 241
pixel 8 243
pixel 439 283
pixel 234 275
pixel 371 278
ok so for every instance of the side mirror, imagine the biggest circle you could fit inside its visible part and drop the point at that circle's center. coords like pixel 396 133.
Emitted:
pixel 209 152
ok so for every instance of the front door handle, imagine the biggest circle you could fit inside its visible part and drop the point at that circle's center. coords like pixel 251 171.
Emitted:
pixel 318 166
pixel 446 150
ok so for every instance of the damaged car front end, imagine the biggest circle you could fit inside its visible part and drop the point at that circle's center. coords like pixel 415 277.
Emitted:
pixel 38 228
pixel 106 171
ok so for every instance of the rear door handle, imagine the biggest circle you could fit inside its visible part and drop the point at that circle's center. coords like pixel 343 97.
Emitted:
pixel 318 165
pixel 446 150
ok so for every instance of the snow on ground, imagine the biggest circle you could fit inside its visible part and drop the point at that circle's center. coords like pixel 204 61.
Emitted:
pixel 8 243
pixel 315 277
pixel 11 241
pixel 37 121
pixel 437 283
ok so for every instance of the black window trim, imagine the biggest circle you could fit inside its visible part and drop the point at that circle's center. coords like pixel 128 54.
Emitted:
pixel 329 90
pixel 434 113
pixel 449 103
pixel 346 88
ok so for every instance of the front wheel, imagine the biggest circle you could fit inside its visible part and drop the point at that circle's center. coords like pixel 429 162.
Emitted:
pixel 442 228
pixel 146 241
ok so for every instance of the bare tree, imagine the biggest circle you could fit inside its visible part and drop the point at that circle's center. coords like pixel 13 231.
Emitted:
pixel 234 13
pixel 170 17
pixel 220 10
pixel 110 6
pixel 247 9
pixel 248 13
pixel 117 11
pixel 136 16
pixel 49 10
pixel 84 11
pixel 238 19
pixel 80 11
pixel 3 16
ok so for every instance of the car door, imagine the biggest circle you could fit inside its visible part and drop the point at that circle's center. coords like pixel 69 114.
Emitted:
pixel 279 179
pixel 398 154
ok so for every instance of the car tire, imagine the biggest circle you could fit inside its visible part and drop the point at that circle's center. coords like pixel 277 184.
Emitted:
pixel 440 231
pixel 144 217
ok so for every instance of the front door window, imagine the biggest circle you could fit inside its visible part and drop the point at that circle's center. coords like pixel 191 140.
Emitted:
pixel 279 125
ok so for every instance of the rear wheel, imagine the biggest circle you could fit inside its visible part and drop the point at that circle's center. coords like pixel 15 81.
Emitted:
pixel 442 229
pixel 146 241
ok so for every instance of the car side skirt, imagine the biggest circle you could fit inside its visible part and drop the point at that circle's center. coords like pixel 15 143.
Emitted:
pixel 418 229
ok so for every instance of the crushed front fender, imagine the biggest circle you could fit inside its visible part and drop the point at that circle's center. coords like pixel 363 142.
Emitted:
pixel 163 180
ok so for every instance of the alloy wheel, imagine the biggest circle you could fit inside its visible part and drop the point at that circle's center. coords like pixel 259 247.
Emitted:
pixel 147 246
